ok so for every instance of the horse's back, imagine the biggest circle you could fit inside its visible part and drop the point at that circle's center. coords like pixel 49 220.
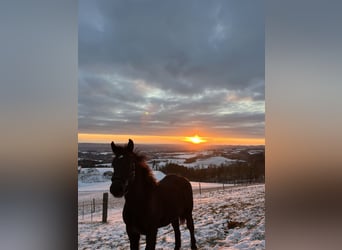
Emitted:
pixel 175 183
pixel 175 193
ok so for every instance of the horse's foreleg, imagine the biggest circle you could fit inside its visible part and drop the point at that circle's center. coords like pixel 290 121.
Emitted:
pixel 133 239
pixel 175 225
pixel 151 238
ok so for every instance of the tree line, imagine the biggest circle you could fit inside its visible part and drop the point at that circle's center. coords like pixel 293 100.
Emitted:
pixel 252 169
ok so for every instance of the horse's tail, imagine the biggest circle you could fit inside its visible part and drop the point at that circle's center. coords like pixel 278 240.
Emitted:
pixel 181 220
pixel 188 201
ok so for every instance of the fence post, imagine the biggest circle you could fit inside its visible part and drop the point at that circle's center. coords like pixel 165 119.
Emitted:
pixel 105 207
pixel 83 210
pixel 92 209
pixel 200 190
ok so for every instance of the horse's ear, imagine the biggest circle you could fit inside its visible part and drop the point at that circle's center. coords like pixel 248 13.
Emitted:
pixel 113 147
pixel 130 145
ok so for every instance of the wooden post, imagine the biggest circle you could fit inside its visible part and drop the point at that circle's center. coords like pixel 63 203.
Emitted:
pixel 104 207
pixel 83 210
pixel 91 213
pixel 93 209
pixel 200 190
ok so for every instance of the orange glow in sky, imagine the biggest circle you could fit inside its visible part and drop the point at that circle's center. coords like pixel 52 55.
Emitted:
pixel 153 139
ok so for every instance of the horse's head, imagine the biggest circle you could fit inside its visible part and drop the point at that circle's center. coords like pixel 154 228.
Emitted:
pixel 124 168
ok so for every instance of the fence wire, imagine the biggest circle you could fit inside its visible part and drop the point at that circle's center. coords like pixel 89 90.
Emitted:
pixel 91 210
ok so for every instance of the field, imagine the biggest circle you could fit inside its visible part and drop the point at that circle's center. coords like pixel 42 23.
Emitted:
pixel 226 216
pixel 233 218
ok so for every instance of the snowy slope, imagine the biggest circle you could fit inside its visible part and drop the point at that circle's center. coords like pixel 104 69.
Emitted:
pixel 205 162
pixel 102 184
pixel 215 160
pixel 92 179
pixel 233 219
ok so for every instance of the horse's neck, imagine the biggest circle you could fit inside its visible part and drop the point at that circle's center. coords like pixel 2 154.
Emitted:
pixel 142 186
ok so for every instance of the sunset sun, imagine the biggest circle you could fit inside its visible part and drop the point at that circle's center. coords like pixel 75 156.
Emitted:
pixel 195 139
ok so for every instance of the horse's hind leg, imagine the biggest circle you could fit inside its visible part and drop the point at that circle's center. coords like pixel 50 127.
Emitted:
pixel 175 225
pixel 190 225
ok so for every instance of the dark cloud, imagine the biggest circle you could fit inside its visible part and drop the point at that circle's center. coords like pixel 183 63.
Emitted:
pixel 163 63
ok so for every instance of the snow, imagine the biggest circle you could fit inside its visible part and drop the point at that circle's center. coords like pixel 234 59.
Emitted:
pixel 164 161
pixel 92 180
pixel 106 153
pixel 100 171
pixel 104 186
pixel 93 186
pixel 215 160
pixel 158 175
pixel 180 160
pixel 185 156
pixel 257 151
pixel 231 218
pixel 87 176
pixel 104 165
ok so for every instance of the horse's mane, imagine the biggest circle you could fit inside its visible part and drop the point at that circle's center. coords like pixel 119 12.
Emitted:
pixel 145 169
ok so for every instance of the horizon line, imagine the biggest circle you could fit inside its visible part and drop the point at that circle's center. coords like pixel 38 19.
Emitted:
pixel 168 140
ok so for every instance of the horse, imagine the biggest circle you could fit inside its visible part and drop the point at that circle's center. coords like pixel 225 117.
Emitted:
pixel 149 204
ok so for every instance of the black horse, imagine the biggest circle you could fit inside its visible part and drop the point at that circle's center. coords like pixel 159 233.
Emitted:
pixel 150 204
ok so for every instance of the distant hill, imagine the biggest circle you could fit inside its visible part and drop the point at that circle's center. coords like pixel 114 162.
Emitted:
pixel 97 147
pixel 105 147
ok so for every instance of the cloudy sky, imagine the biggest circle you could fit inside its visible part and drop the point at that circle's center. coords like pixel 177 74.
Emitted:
pixel 172 68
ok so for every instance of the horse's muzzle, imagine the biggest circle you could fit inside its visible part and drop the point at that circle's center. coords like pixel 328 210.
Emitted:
pixel 118 188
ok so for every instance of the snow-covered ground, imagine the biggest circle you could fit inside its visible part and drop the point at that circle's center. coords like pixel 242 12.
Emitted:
pixel 215 160
pixel 233 218
pixel 94 182
pixel 200 162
